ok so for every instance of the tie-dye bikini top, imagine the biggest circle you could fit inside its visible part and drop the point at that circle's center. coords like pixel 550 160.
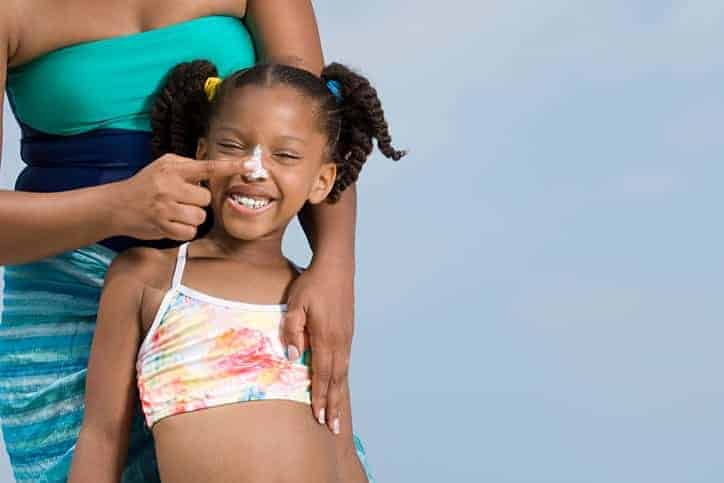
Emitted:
pixel 203 351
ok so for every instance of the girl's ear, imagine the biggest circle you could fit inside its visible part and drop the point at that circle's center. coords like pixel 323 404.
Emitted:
pixel 323 184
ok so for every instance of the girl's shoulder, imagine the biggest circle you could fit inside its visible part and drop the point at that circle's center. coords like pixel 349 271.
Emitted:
pixel 150 267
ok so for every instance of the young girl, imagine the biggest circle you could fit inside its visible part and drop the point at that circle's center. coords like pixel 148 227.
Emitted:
pixel 195 330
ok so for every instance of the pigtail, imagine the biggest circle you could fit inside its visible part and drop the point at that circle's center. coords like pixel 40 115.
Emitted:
pixel 179 112
pixel 362 120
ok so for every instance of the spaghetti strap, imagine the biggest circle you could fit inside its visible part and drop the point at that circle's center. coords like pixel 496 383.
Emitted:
pixel 180 264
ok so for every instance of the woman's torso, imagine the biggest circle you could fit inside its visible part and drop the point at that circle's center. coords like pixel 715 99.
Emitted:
pixel 82 91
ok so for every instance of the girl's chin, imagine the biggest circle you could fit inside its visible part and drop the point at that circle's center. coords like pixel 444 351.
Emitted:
pixel 244 228
pixel 242 233
pixel 247 224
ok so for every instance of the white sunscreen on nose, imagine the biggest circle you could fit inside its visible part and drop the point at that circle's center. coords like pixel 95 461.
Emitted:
pixel 254 164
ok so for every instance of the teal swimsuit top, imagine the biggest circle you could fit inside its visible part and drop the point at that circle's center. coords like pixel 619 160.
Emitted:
pixel 110 83
pixel 84 110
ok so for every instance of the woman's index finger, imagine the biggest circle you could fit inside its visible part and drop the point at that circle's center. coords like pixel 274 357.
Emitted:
pixel 203 169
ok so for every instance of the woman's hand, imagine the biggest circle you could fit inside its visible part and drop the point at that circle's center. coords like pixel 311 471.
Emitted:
pixel 321 301
pixel 164 199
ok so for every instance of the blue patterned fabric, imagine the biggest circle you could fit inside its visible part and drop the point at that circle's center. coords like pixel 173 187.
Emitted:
pixel 46 329
pixel 362 455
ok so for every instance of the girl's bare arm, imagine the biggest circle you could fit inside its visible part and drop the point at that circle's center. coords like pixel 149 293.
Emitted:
pixel 101 451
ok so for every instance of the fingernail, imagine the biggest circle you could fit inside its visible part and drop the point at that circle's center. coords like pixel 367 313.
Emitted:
pixel 249 164
pixel 321 416
pixel 292 353
pixel 335 426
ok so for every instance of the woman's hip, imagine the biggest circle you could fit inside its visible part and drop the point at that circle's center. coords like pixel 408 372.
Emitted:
pixel 48 316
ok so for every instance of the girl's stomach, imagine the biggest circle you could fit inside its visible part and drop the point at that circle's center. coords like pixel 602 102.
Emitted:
pixel 252 441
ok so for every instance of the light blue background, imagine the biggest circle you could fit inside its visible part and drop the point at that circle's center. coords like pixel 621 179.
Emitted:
pixel 548 309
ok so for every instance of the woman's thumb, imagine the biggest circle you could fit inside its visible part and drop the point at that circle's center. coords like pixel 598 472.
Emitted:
pixel 293 332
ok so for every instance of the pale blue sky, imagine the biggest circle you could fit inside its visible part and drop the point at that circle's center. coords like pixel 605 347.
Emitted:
pixel 550 312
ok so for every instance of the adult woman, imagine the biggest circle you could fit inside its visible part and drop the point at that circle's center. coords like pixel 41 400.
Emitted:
pixel 79 90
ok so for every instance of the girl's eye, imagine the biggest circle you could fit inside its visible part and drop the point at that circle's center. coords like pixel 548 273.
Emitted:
pixel 231 146
pixel 287 155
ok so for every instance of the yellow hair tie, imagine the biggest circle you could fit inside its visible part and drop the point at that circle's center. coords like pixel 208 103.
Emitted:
pixel 211 86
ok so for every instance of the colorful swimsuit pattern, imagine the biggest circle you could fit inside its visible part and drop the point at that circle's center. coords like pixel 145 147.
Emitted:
pixel 203 351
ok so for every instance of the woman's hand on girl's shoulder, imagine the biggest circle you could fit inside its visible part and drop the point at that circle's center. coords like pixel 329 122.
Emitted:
pixel 321 302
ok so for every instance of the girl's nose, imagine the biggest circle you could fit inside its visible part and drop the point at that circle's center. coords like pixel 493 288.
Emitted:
pixel 253 178
pixel 255 166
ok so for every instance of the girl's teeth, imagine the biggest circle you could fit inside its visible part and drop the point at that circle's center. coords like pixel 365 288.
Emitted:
pixel 250 202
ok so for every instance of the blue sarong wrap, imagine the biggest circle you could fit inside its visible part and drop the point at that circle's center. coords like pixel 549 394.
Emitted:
pixel 46 328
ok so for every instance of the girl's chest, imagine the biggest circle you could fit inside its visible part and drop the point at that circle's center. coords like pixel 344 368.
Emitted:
pixel 183 306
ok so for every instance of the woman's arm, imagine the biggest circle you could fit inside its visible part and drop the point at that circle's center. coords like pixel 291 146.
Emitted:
pixel 34 224
pixel 285 31
pixel 111 393
pixel 37 225
pixel 331 229
pixel 162 201
pixel 322 299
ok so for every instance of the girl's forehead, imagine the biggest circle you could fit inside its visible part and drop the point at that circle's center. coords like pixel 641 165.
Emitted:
pixel 270 113
pixel 261 96
pixel 270 105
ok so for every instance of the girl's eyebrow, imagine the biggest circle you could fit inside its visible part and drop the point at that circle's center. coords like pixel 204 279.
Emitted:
pixel 232 129
pixel 293 138
pixel 239 134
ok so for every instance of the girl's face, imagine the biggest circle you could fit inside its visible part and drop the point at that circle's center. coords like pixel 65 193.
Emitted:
pixel 284 124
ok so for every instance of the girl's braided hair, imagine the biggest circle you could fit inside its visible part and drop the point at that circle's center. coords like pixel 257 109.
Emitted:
pixel 182 113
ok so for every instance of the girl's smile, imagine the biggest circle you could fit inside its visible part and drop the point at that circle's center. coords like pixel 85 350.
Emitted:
pixel 249 199
pixel 246 206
